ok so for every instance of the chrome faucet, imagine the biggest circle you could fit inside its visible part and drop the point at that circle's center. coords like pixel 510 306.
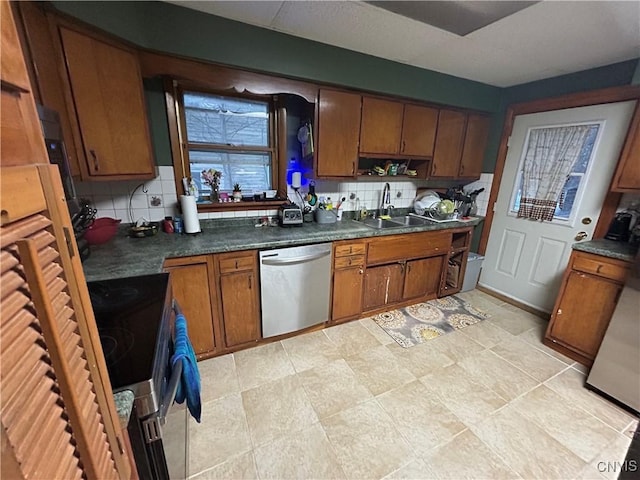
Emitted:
pixel 385 199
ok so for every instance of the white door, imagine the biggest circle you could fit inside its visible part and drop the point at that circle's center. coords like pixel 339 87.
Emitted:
pixel 525 258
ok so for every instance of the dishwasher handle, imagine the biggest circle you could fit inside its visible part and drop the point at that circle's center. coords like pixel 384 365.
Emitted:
pixel 273 260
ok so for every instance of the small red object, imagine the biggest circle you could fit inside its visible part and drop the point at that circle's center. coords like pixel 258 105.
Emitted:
pixel 101 230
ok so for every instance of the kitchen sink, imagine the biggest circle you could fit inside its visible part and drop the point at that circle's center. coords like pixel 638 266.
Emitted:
pixel 381 223
pixel 410 221
pixel 396 222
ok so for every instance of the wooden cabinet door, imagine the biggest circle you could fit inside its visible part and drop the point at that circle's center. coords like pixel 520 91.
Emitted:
pixel 239 294
pixel 338 133
pixel 49 88
pixel 381 126
pixel 347 293
pixel 21 142
pixel 12 68
pixel 422 277
pixel 580 325
pixel 192 284
pixel 107 92
pixel 475 143
pixel 418 130
pixel 58 415
pixel 382 285
pixel 449 141
pixel 627 176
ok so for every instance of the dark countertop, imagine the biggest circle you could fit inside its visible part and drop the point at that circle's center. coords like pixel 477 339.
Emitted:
pixel 124 406
pixel 608 248
pixel 127 257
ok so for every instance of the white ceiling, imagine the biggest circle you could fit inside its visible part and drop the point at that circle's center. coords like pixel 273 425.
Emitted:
pixel 544 40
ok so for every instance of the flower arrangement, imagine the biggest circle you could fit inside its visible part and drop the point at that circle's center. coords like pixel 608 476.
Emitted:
pixel 211 177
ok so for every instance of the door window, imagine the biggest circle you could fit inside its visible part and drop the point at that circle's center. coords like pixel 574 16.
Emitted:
pixel 572 190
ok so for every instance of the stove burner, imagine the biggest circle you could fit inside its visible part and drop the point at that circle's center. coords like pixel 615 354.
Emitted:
pixel 112 297
pixel 116 343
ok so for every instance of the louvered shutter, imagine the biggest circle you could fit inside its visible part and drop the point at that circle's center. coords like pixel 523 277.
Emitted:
pixel 51 417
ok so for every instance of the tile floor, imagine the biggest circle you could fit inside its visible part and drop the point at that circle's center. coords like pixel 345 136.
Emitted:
pixel 487 401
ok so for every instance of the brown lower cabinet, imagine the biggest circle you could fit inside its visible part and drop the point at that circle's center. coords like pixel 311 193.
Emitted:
pixel 588 295
pixel 383 286
pixel 193 282
pixel 219 295
pixel 239 297
pixel 422 277
pixel 348 280
pixel 381 273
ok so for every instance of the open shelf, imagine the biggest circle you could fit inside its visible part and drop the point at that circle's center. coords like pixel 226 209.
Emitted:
pixel 421 166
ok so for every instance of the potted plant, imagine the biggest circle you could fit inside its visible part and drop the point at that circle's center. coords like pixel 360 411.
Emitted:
pixel 237 192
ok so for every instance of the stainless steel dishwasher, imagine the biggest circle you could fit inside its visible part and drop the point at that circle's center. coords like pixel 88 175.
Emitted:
pixel 294 287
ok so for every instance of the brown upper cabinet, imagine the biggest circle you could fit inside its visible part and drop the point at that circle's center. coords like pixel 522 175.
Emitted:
pixel 460 145
pixel 627 176
pixel 93 81
pixel 393 128
pixel 381 127
pixel 338 127
pixel 106 87
pixel 43 67
pixel 475 143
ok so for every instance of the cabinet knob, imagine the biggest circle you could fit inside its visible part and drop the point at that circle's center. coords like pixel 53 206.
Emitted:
pixel 559 311
pixel 361 271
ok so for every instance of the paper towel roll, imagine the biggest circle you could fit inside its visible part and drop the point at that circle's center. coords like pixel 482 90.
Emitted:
pixel 189 214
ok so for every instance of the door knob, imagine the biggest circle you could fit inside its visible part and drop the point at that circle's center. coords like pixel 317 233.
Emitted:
pixel 586 220
pixel 581 236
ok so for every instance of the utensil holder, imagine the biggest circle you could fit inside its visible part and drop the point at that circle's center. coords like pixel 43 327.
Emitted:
pixel 326 216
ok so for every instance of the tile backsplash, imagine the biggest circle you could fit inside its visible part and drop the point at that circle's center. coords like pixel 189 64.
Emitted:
pixel 155 199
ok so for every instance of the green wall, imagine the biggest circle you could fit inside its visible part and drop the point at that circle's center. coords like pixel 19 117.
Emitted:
pixel 173 29
pixel 615 75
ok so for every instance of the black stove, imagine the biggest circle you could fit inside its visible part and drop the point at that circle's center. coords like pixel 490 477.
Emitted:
pixel 133 319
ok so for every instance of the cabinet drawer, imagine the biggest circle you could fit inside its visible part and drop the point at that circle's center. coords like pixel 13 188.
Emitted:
pixel 600 267
pixel 405 247
pixel 352 261
pixel 350 249
pixel 236 263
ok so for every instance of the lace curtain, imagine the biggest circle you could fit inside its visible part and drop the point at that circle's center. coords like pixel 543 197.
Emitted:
pixel 550 156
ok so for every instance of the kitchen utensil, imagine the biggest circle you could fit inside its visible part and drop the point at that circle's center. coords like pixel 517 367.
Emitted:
pixel 144 230
pixel 101 230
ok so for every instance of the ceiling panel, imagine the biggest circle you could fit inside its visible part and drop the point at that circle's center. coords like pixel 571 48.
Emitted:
pixel 546 39
pixel 375 32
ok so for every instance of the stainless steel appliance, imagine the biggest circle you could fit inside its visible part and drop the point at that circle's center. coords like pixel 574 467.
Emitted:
pixel 616 368
pixel 81 215
pixel 290 214
pixel 620 228
pixel 135 317
pixel 294 287
pixel 52 132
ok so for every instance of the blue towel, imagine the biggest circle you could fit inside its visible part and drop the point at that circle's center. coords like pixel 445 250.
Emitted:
pixel 189 385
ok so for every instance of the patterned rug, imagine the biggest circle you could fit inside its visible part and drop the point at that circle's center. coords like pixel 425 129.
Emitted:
pixel 419 323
